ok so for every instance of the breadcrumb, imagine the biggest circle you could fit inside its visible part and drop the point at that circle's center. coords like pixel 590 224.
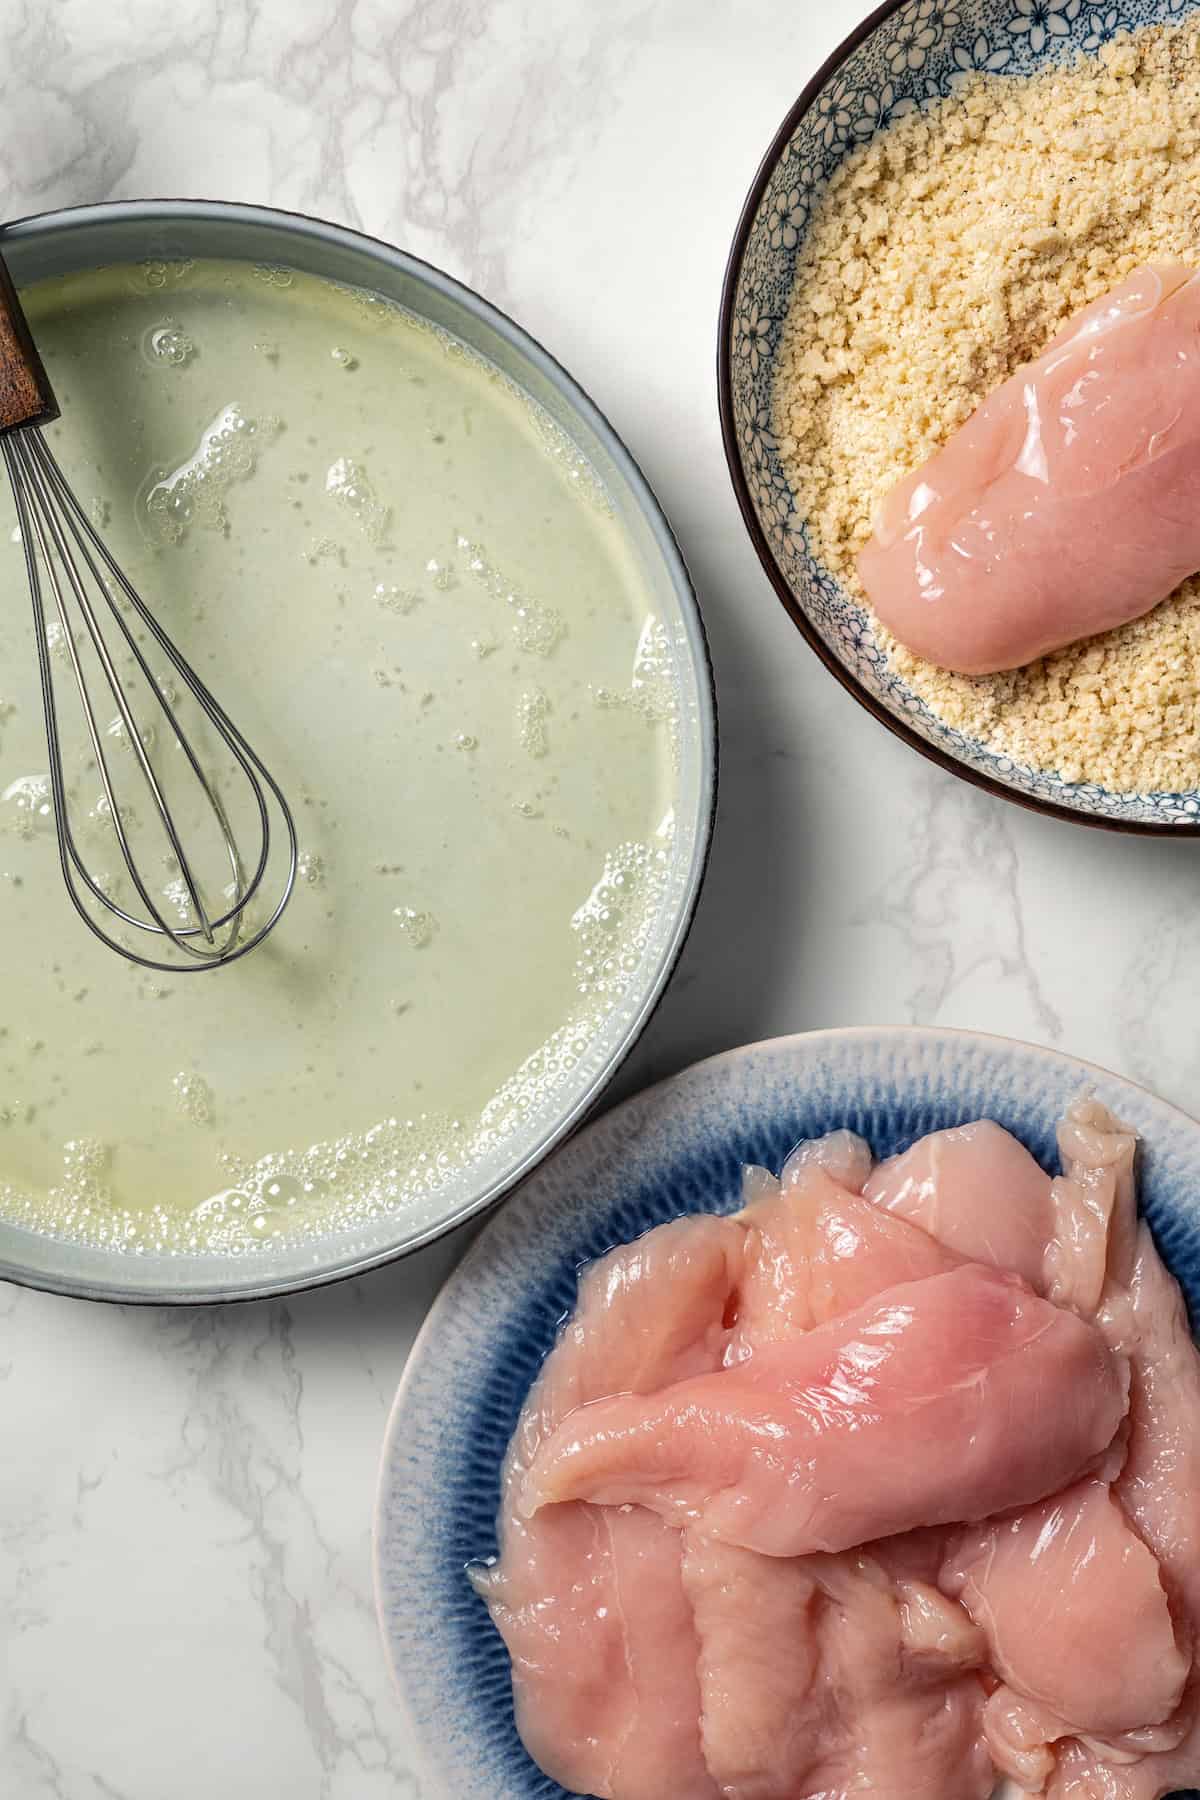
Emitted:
pixel 940 257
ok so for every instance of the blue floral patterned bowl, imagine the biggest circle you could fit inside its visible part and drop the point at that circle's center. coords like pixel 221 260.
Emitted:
pixel 907 52
pixel 676 1148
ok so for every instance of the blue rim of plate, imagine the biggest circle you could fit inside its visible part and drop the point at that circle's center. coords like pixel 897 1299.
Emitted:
pixel 676 1147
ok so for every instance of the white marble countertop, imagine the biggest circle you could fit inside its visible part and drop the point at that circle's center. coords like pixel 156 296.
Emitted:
pixel 185 1499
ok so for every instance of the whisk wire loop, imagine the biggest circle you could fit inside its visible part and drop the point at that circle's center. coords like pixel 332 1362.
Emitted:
pixel 57 537
pixel 43 519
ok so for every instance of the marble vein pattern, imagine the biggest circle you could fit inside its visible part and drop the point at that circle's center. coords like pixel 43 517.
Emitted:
pixel 185 1500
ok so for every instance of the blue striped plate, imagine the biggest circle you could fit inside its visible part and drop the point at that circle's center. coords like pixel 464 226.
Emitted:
pixel 676 1148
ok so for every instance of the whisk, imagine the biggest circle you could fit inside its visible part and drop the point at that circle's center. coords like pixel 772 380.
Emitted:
pixel 102 622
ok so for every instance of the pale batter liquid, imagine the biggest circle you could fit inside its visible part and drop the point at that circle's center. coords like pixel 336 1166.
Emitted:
pixel 410 592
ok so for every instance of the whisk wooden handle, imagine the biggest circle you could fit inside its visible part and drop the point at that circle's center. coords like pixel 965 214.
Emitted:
pixel 26 397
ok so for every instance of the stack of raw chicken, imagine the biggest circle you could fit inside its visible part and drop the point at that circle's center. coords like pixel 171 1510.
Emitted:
pixel 889 1484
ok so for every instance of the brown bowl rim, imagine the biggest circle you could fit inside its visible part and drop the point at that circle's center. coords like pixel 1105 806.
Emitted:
pixel 766 556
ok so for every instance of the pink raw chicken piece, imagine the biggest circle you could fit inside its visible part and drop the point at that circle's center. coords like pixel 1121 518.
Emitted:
pixel 778 1213
pixel 1159 1486
pixel 1085 1774
pixel 772 1723
pixel 660 1752
pixel 946 1399
pixel 590 1605
pixel 1079 1545
pixel 1093 1210
pixel 814 1251
pixel 1022 1738
pixel 845 1157
pixel 901 1656
pixel 590 1602
pixel 824 1677
pixel 1160 1490
pixel 1032 1744
pixel 755 1621
pixel 1046 1587
pixel 1068 503
pixel 977 1191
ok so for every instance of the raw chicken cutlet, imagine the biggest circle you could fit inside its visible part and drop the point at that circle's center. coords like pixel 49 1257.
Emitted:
pixel 1067 504
pixel 785 1453
pixel 590 1601
pixel 877 1683
pixel 855 1490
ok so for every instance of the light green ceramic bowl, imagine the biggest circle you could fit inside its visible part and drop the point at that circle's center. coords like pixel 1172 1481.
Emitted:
pixel 162 230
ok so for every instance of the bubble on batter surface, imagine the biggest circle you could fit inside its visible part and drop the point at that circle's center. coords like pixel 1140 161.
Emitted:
pixel 417 927
pixel 81 1200
pixel 98 821
pixel 614 924
pixel 323 549
pixel 118 731
pixel 536 628
pixel 577 471
pixel 193 493
pixel 167 345
pixel 396 599
pixel 653 692
pixel 193 1097
pixel 441 574
pixel 533 710
pixel 27 806
pixel 348 485
pixel 157 272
